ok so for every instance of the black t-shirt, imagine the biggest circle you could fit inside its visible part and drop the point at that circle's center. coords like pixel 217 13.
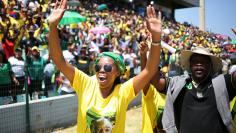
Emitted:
pixel 196 113
pixel 83 65
pixel 30 42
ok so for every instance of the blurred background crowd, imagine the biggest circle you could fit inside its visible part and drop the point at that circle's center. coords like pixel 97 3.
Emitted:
pixel 87 28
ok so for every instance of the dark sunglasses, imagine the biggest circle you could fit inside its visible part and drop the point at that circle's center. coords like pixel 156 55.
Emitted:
pixel 106 67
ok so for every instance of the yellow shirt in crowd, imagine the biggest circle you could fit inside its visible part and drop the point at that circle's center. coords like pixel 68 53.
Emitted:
pixel 152 109
pixel 232 103
pixel 96 113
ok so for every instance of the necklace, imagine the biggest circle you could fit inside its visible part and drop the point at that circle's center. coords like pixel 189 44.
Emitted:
pixel 195 84
pixel 199 91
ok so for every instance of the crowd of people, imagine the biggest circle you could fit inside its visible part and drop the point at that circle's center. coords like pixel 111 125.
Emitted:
pixel 25 60
pixel 24 28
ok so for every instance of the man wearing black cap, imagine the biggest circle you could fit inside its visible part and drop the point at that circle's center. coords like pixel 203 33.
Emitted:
pixel 29 42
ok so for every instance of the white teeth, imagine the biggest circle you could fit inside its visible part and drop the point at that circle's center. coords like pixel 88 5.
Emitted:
pixel 102 76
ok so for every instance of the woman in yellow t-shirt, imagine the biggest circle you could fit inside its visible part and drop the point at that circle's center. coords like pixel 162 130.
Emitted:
pixel 102 100
pixel 153 102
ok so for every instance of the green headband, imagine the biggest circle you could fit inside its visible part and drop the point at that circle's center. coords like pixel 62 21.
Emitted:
pixel 115 57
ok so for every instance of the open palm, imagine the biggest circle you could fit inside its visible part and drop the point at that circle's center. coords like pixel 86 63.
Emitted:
pixel 154 24
pixel 143 48
pixel 57 13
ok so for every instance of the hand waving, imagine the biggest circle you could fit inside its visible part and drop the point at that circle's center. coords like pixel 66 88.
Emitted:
pixel 143 48
pixel 57 13
pixel 154 24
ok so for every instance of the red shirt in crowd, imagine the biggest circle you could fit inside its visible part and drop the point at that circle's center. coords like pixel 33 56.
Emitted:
pixel 8 48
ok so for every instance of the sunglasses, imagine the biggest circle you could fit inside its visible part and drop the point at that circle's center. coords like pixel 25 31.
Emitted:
pixel 106 67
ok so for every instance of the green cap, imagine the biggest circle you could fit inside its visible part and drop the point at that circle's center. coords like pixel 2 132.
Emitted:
pixel 118 59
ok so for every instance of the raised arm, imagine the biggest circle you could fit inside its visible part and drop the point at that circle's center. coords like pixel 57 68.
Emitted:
pixel 158 83
pixel 54 41
pixel 143 49
pixel 154 26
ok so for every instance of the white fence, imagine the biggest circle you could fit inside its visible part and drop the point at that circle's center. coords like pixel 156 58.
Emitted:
pixel 45 114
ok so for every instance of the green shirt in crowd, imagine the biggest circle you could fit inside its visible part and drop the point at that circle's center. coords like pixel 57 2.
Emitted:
pixel 5 73
pixel 35 68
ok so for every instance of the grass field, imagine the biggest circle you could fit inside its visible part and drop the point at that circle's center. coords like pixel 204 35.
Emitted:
pixel 133 122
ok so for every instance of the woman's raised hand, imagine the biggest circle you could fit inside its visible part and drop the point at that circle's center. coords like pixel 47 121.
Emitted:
pixel 57 13
pixel 143 48
pixel 154 24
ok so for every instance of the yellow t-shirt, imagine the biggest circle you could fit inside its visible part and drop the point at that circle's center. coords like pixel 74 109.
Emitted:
pixel 152 109
pixel 231 108
pixel 96 113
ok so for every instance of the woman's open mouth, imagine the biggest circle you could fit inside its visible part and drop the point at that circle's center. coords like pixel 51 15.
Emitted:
pixel 102 78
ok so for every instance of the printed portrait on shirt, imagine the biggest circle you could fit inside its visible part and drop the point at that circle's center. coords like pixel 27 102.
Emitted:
pixel 100 123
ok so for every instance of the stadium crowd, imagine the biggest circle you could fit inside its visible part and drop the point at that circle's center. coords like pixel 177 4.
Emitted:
pixel 25 59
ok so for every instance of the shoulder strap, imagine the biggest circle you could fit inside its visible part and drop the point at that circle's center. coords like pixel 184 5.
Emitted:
pixel 222 101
